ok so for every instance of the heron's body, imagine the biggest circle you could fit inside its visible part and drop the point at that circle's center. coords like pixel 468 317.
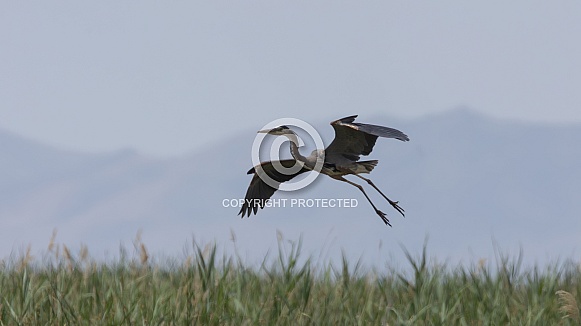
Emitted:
pixel 333 170
pixel 341 158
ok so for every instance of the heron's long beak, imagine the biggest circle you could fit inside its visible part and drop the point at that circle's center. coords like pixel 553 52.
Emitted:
pixel 265 131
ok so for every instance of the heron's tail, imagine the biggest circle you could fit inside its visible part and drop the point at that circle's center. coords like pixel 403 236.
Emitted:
pixel 368 165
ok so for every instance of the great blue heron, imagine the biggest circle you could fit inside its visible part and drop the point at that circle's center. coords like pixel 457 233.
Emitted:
pixel 341 158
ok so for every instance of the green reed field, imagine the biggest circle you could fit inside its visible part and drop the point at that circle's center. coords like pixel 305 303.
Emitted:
pixel 205 288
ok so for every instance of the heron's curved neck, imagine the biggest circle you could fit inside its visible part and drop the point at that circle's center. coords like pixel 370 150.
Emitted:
pixel 294 148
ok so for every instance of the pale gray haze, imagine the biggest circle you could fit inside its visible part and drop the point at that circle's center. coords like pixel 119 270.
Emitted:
pixel 117 116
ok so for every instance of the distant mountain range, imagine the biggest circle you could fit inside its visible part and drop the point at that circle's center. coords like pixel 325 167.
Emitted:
pixel 465 180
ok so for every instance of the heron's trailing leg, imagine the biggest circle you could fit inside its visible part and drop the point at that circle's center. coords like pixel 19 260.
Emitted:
pixel 380 213
pixel 393 203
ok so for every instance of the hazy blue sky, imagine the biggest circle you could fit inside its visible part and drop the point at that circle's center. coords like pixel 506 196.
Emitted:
pixel 165 76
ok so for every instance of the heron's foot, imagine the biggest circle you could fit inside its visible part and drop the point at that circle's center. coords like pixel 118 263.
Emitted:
pixel 396 206
pixel 383 217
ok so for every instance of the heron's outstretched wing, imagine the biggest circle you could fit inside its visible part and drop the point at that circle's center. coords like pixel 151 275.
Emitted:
pixel 259 191
pixel 353 139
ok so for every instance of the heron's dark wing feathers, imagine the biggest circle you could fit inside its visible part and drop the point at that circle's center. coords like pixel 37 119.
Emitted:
pixel 259 191
pixel 381 131
pixel 353 139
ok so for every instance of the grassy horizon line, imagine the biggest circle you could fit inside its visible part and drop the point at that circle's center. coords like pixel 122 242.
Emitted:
pixel 73 288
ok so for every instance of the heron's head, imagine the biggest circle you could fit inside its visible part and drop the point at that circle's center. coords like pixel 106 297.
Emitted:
pixel 278 131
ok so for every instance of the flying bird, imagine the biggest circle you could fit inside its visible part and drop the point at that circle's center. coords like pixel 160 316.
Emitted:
pixel 341 158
